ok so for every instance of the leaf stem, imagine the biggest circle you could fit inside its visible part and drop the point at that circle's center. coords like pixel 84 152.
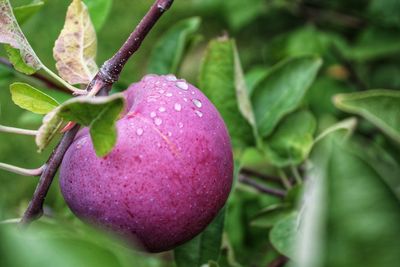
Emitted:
pixel 73 89
pixel 296 174
pixel 21 171
pixel 6 129
pixel 284 179
pixel 104 79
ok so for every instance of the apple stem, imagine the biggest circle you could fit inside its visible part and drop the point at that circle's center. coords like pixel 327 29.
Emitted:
pixel 6 129
pixel 261 188
pixel 21 171
pixel 102 82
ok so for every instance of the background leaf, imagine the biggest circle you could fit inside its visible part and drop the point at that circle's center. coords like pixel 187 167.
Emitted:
pixel 204 247
pixel 282 90
pixel 359 211
pixel 99 11
pixel 218 82
pixel 283 234
pixel 168 52
pixel 381 107
pixel 291 142
pixel 25 12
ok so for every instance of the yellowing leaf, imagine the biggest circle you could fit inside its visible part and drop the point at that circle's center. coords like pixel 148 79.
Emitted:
pixel 10 33
pixel 30 98
pixel 51 123
pixel 76 47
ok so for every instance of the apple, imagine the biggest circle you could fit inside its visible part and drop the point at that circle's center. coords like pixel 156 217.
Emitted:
pixel 168 175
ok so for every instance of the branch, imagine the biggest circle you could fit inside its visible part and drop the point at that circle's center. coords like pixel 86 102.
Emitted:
pixel 249 172
pixel 261 188
pixel 48 82
pixel 100 85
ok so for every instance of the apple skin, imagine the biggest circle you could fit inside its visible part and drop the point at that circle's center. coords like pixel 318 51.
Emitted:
pixel 168 175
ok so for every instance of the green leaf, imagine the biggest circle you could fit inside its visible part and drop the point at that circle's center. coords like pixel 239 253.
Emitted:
pixel 218 82
pixel 292 140
pixel 283 234
pixel 100 114
pixel 373 44
pixel 99 11
pixel 19 64
pixel 269 216
pixel 347 125
pixel 282 91
pixel 381 107
pixel 23 13
pixel 386 11
pixel 30 98
pixel 204 247
pixel 168 52
pixel 350 217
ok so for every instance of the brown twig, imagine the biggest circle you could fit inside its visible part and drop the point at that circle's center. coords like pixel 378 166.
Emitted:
pixel 45 80
pixel 105 78
pixel 261 188
pixel 249 172
pixel 279 262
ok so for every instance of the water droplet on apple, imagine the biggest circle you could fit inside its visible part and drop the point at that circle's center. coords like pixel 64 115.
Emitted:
pixel 180 125
pixel 161 109
pixel 152 114
pixel 168 94
pixel 182 85
pixel 170 77
pixel 157 121
pixel 198 113
pixel 139 131
pixel 197 103
pixel 177 107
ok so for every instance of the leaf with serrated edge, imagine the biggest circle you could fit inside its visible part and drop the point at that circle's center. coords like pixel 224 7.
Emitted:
pixel 31 99
pixel 76 47
pixel 10 33
pixel 381 107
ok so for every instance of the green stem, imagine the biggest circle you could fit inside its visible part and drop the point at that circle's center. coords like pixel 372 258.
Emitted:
pixel 296 174
pixel 21 171
pixel 6 129
pixel 67 85
pixel 284 179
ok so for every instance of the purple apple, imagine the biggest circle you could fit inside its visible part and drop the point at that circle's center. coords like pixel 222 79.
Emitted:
pixel 168 175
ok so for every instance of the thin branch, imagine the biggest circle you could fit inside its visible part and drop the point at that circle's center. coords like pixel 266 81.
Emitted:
pixel 21 171
pixel 279 262
pixel 261 188
pixel 101 85
pixel 41 78
pixel 249 172
pixel 7 129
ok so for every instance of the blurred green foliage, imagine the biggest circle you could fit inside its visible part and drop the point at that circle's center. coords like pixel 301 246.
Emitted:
pixel 295 57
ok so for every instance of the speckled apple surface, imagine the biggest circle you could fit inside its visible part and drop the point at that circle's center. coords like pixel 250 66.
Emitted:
pixel 168 175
